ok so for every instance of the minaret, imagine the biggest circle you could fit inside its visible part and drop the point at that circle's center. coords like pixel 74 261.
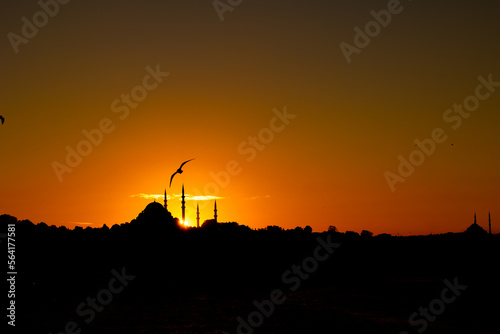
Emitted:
pixel 165 199
pixel 475 219
pixel 215 211
pixel 489 222
pixel 183 206
pixel 197 215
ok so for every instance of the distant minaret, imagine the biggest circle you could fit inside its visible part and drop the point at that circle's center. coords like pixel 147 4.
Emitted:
pixel 197 215
pixel 165 199
pixel 489 222
pixel 475 219
pixel 183 206
pixel 215 211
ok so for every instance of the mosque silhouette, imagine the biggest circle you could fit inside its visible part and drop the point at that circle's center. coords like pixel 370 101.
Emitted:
pixel 156 214
pixel 476 230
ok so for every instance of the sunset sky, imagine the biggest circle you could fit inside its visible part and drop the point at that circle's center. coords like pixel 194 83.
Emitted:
pixel 286 127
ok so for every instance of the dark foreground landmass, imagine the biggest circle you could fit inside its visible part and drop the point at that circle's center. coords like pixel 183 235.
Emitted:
pixel 228 278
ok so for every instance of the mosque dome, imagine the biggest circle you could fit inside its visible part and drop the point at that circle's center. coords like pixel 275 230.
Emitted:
pixel 154 214
pixel 154 207
pixel 475 229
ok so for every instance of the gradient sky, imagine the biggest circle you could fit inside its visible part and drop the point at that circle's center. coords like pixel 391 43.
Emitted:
pixel 324 167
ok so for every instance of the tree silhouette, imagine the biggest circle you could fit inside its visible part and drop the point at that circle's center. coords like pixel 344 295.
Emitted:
pixel 366 234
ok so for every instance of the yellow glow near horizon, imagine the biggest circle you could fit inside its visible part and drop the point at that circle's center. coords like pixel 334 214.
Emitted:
pixel 188 197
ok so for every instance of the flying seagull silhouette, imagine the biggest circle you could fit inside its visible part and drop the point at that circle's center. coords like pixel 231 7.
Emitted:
pixel 179 171
pixel 2 119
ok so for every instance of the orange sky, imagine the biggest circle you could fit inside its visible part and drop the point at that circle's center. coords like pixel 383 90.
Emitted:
pixel 104 66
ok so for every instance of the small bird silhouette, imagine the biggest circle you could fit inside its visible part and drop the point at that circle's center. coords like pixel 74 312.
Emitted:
pixel 179 171
pixel 2 119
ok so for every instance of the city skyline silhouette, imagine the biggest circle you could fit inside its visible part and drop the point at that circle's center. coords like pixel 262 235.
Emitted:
pixel 228 277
